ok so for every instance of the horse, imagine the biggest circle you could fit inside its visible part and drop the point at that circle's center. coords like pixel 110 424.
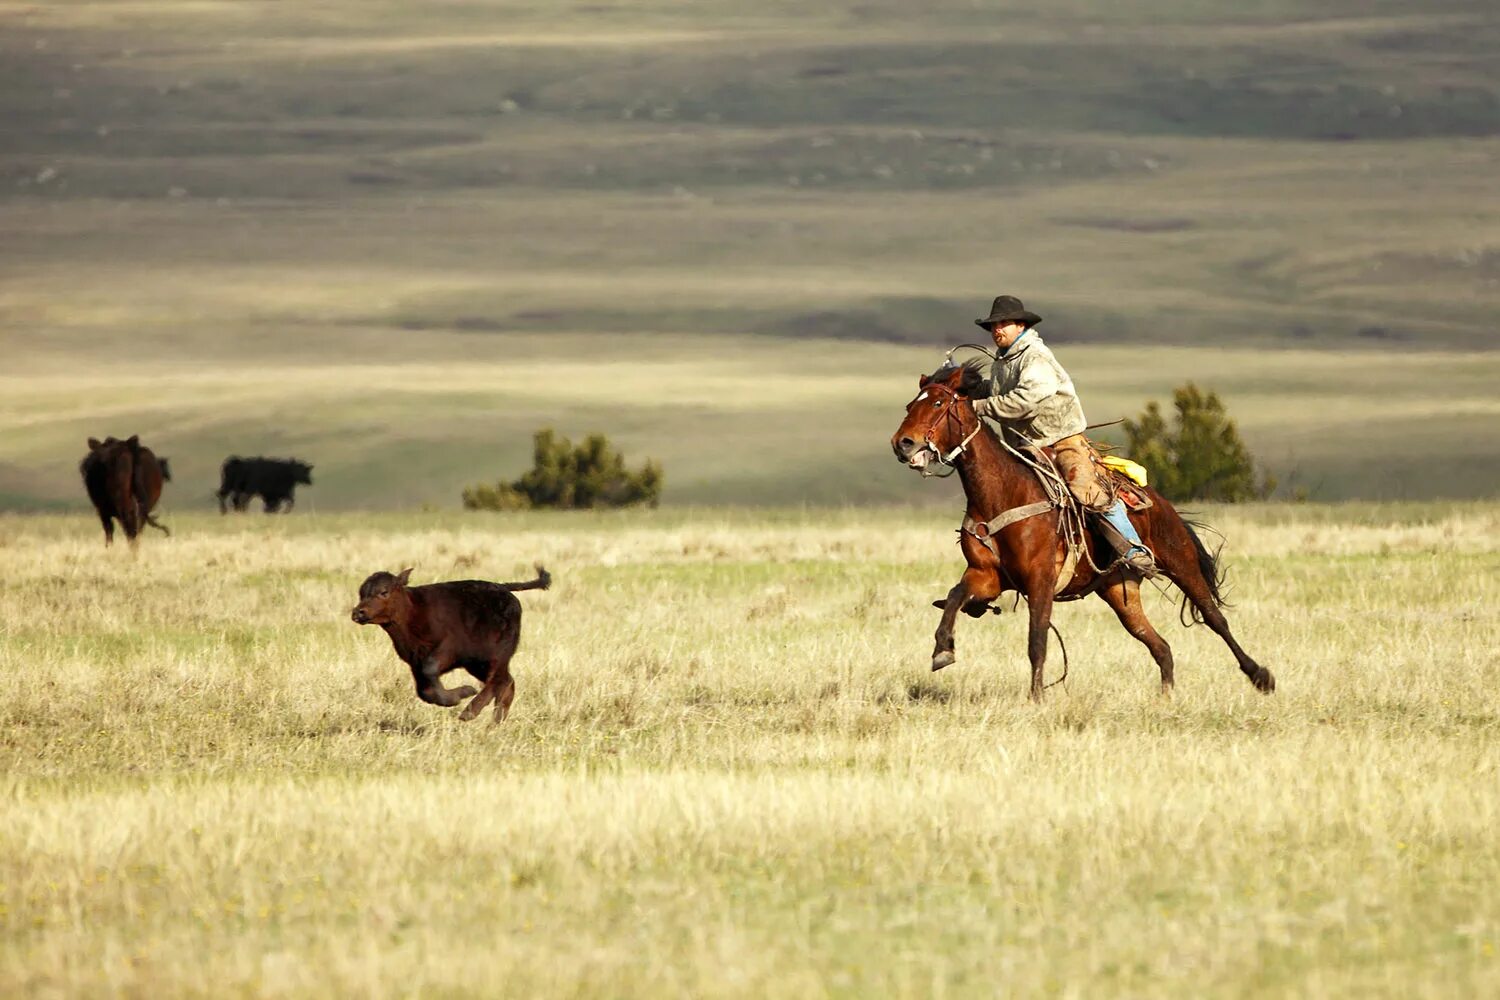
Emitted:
pixel 1025 551
pixel 124 481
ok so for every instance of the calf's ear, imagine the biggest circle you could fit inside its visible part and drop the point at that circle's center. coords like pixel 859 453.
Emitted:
pixel 404 575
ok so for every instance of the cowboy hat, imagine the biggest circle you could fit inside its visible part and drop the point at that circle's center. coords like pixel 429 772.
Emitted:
pixel 1008 308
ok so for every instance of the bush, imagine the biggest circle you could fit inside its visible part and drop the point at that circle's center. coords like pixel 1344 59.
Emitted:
pixel 1202 457
pixel 562 476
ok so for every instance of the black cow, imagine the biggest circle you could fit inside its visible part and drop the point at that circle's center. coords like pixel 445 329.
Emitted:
pixel 274 480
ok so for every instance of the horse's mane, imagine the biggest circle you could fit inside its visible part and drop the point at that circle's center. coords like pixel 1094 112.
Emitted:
pixel 970 383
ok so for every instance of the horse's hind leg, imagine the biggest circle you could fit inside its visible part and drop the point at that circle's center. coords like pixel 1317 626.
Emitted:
pixel 1263 679
pixel 1190 581
pixel 151 520
pixel 975 584
pixel 1124 596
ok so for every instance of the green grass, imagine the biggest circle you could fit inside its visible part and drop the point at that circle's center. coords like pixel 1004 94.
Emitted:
pixel 734 419
pixel 728 771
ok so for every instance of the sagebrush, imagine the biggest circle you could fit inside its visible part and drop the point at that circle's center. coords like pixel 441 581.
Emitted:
pixel 1201 456
pixel 592 474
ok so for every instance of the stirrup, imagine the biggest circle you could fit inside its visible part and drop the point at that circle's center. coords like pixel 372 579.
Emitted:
pixel 1140 560
pixel 1136 558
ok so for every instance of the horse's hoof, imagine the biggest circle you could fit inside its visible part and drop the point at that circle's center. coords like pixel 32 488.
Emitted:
pixel 943 659
pixel 1264 682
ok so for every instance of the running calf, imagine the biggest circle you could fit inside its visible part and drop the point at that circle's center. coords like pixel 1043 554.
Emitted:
pixel 469 624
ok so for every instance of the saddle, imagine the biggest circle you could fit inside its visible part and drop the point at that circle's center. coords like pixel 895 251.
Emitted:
pixel 1112 476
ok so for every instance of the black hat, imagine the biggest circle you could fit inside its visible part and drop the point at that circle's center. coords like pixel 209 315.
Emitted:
pixel 1008 307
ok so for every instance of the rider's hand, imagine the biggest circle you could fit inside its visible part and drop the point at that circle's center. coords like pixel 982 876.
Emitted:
pixel 982 407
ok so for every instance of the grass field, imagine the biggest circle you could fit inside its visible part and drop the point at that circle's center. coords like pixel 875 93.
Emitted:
pixel 728 771
pixel 394 239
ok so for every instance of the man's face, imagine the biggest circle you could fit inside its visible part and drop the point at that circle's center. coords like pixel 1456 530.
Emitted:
pixel 1006 333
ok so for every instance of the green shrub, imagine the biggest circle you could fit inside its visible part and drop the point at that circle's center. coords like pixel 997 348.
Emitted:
pixel 591 475
pixel 1202 457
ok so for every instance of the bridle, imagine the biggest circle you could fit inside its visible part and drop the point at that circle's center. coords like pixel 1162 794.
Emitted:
pixel 946 412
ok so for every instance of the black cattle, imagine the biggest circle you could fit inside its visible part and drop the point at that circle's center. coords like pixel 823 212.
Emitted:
pixel 274 480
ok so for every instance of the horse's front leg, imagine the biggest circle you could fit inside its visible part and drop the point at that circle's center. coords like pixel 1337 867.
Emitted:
pixel 975 584
pixel 1039 603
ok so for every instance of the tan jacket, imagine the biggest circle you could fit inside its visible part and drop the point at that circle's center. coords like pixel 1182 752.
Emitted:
pixel 1031 393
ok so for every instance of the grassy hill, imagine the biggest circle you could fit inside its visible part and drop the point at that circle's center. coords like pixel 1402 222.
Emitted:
pixel 736 419
pixel 347 229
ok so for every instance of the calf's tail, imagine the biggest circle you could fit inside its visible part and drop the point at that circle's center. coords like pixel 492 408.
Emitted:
pixel 542 582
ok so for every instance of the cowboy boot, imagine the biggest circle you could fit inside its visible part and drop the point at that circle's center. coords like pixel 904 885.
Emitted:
pixel 1123 536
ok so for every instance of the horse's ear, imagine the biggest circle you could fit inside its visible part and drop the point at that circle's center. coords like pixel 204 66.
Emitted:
pixel 922 381
pixel 133 442
pixel 404 575
pixel 94 444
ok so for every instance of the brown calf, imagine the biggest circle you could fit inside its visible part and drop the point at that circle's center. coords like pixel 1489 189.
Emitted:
pixel 469 624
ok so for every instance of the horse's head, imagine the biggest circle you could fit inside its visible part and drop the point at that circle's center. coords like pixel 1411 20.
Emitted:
pixel 940 417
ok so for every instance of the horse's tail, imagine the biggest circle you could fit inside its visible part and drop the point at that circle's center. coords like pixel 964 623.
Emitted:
pixel 1208 566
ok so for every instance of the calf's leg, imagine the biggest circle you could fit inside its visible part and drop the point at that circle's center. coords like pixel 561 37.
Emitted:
pixel 430 688
pixel 499 682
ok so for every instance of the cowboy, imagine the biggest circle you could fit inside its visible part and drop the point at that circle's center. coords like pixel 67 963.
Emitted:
pixel 1031 394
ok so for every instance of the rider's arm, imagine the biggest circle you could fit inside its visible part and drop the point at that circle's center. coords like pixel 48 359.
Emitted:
pixel 1038 382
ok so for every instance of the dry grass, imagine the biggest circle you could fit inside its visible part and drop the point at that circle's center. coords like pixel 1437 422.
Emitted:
pixel 728 773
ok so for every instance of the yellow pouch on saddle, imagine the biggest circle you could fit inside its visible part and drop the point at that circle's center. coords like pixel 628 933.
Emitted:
pixel 1134 471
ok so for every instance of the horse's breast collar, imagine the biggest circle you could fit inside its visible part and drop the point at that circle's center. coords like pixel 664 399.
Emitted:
pixel 985 530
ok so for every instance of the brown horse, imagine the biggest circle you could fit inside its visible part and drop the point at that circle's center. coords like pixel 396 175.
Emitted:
pixel 1028 555
pixel 124 480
